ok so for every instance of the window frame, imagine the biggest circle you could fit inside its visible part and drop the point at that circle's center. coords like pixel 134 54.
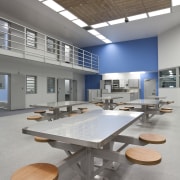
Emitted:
pixel 32 43
pixel 33 84
pixel 51 86
pixel 51 49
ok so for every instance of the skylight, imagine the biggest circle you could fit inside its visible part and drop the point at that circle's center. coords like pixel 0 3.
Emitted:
pixel 94 32
pixel 159 12
pixel 68 15
pixel 137 17
pixel 100 25
pixel 53 5
pixel 116 21
pixel 80 23
pixel 175 2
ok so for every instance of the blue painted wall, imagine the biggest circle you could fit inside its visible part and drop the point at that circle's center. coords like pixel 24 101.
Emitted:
pixel 92 82
pixel 129 56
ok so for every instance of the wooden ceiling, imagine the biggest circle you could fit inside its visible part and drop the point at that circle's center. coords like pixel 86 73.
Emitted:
pixel 97 11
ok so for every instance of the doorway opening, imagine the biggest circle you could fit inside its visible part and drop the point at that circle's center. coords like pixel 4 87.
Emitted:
pixel 4 91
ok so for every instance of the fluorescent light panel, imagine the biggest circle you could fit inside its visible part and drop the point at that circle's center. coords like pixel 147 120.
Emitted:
pixel 68 15
pixel 136 17
pixel 116 21
pixel 107 41
pixel 175 2
pixel 101 37
pixel 94 32
pixel 53 5
pixel 159 12
pixel 80 23
pixel 100 25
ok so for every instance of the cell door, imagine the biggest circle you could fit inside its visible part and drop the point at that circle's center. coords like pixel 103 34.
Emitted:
pixel 17 91
pixel 60 90
pixel 149 88
pixel 73 90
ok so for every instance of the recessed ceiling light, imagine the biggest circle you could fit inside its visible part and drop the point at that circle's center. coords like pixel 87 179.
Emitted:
pixel 40 0
pixel 116 21
pixel 53 5
pixel 93 32
pixel 175 2
pixel 159 12
pixel 107 41
pixel 100 25
pixel 80 23
pixel 136 17
pixel 101 37
pixel 68 15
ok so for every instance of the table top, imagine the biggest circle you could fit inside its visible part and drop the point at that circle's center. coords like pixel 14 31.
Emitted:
pixel 106 98
pixel 59 104
pixel 144 102
pixel 92 129
pixel 156 97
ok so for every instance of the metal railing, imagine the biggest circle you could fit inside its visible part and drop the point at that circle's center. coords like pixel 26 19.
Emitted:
pixel 17 40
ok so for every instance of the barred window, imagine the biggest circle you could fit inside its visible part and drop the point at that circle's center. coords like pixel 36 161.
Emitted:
pixel 31 84
pixel 50 85
pixel 50 45
pixel 31 38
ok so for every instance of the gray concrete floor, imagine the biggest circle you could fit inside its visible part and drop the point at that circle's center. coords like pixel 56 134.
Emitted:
pixel 17 149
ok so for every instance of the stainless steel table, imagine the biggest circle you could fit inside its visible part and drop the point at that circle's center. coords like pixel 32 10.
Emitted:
pixel 88 135
pixel 150 107
pixel 56 105
pixel 108 102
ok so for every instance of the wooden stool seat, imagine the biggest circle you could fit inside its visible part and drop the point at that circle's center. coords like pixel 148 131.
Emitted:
pixel 40 111
pixel 124 109
pixel 130 107
pixel 143 156
pixel 73 114
pixel 41 139
pixel 34 117
pixel 152 138
pixel 83 110
pixel 166 108
pixel 169 102
pixel 120 103
pixel 37 171
pixel 165 111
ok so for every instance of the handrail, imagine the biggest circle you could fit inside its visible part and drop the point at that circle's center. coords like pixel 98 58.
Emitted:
pixel 15 40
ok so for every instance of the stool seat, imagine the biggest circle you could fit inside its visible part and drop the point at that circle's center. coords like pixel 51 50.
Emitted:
pixel 152 138
pixel 34 117
pixel 124 109
pixel 41 139
pixel 73 114
pixel 83 110
pixel 165 110
pixel 40 111
pixel 37 171
pixel 130 107
pixel 143 156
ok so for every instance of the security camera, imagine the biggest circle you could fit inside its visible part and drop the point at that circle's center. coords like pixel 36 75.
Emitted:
pixel 126 20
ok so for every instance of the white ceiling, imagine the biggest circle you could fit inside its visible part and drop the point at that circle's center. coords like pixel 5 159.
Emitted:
pixel 35 14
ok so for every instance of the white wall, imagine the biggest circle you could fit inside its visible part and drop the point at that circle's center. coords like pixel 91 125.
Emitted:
pixel 168 57
pixel 42 71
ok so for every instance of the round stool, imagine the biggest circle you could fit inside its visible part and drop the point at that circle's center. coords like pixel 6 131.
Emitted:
pixel 73 114
pixel 40 111
pixel 37 171
pixel 124 109
pixel 143 156
pixel 152 138
pixel 41 139
pixel 83 110
pixel 34 117
pixel 165 110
